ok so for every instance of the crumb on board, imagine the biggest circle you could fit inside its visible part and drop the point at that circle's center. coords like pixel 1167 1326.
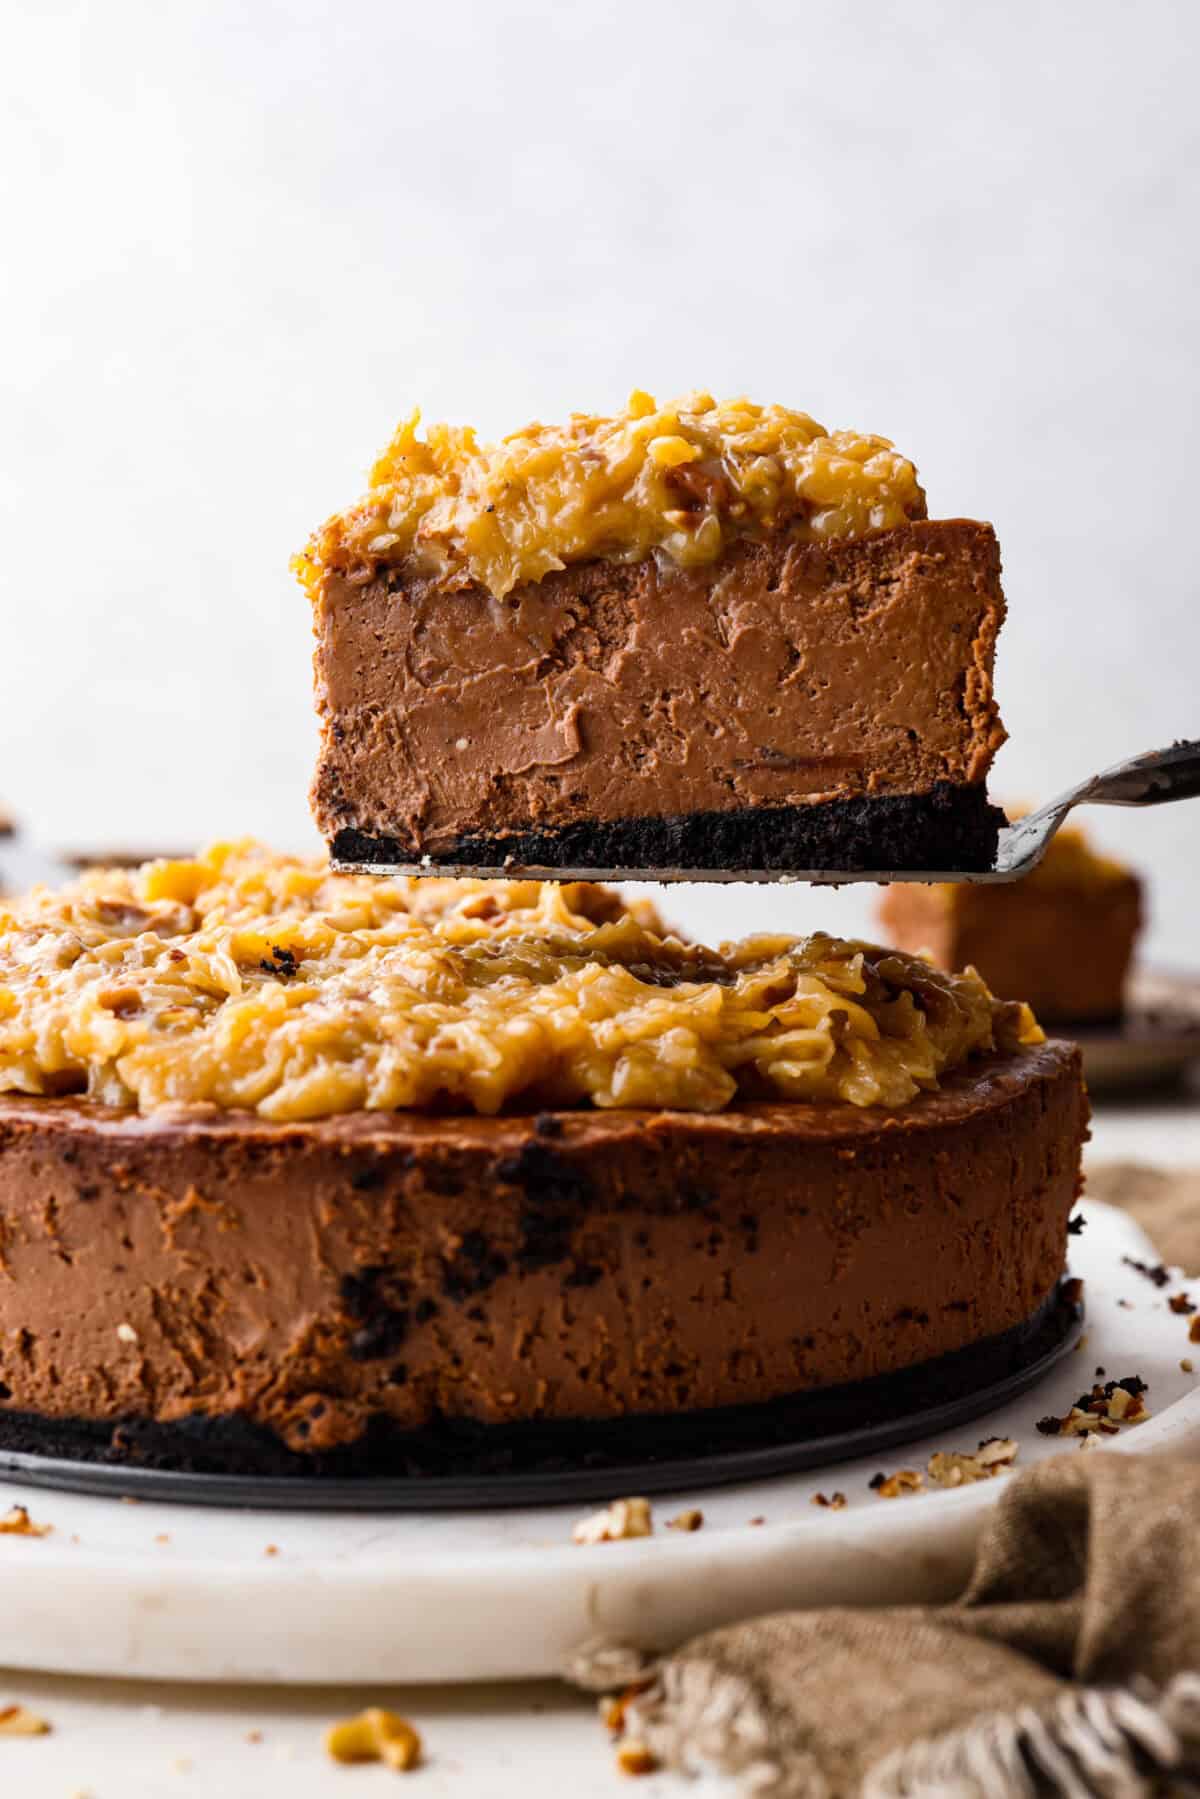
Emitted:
pixel 949 1468
pixel 1154 1272
pixel 623 1519
pixel 688 1520
pixel 19 1721
pixel 955 1468
pixel 16 1522
pixel 895 1486
pixel 635 1758
pixel 1102 1411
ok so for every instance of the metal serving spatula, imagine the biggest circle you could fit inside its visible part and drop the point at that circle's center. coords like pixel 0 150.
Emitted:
pixel 1151 779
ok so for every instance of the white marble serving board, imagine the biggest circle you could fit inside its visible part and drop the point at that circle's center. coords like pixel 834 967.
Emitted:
pixel 193 1593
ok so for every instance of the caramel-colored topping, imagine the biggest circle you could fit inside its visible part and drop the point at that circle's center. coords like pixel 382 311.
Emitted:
pixel 684 478
pixel 246 980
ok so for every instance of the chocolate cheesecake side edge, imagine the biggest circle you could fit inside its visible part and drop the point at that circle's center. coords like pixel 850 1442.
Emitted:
pixel 801 705
pixel 347 1291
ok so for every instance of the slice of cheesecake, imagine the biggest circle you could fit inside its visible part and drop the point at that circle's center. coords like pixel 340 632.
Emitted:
pixel 697 640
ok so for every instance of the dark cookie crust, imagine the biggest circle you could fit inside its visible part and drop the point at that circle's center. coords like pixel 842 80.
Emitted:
pixel 949 827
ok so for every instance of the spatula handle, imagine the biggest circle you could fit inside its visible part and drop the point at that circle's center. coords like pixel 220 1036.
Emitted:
pixel 1151 779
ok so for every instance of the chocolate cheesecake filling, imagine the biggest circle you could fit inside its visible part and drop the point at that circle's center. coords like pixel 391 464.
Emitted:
pixel 793 704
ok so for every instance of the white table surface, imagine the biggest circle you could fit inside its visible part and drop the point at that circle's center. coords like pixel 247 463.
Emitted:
pixel 143 1740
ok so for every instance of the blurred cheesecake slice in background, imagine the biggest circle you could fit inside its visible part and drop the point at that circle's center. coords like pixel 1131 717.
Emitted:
pixel 1061 939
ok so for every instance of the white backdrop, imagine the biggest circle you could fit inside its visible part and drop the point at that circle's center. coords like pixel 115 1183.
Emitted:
pixel 241 237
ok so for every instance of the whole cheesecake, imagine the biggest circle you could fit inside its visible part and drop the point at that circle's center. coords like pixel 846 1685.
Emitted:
pixel 837 1166
pixel 692 639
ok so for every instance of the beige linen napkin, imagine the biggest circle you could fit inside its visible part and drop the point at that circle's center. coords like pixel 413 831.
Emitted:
pixel 1166 1205
pixel 1069 1667
pixel 1066 1668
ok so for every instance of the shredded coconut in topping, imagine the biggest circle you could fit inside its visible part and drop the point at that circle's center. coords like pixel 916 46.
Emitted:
pixel 684 478
pixel 248 980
